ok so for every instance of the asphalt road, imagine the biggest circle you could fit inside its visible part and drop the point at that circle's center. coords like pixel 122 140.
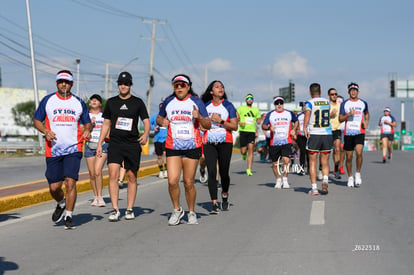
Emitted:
pixel 366 230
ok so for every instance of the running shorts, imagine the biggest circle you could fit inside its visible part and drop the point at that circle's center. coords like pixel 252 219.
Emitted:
pixel 337 134
pixel 246 138
pixel 129 153
pixel 389 136
pixel 191 153
pixel 61 167
pixel 276 152
pixel 351 141
pixel 159 148
pixel 319 143
pixel 88 152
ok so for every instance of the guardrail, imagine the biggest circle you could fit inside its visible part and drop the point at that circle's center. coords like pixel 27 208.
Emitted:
pixel 16 146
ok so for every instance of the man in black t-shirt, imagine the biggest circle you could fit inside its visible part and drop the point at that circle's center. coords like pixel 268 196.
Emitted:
pixel 121 116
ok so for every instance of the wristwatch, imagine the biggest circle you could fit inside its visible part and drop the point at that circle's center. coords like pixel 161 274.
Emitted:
pixel 221 122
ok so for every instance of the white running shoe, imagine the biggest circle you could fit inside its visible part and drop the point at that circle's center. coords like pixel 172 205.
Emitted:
pixel 165 174
pixel 129 214
pixel 192 218
pixel 176 216
pixel 278 184
pixel 350 181
pixel 358 180
pixel 161 175
pixel 114 216
pixel 285 183
pixel 203 178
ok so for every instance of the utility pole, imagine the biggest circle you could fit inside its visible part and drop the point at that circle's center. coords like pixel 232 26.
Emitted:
pixel 151 76
pixel 36 95
pixel 77 76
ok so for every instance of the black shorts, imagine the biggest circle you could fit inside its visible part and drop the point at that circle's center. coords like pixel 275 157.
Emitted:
pixel 129 153
pixel 159 148
pixel 351 141
pixel 337 134
pixel 191 153
pixel 319 143
pixel 389 136
pixel 246 138
pixel 275 152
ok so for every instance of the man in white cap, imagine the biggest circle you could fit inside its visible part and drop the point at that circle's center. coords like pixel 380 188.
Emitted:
pixel 282 125
pixel 387 123
pixel 354 111
pixel 59 117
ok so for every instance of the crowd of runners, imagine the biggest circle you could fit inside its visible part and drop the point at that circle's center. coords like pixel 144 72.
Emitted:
pixel 193 132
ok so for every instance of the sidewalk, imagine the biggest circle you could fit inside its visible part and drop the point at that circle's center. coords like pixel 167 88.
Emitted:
pixel 26 194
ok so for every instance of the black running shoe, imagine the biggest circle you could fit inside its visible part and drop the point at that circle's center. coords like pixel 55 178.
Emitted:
pixel 214 209
pixel 69 223
pixel 383 160
pixel 224 203
pixel 57 215
pixel 337 175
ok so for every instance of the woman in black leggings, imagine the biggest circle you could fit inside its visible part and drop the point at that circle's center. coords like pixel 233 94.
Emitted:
pixel 218 141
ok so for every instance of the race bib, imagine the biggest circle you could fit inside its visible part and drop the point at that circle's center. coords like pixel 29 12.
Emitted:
pixel 353 125
pixel 281 132
pixel 249 120
pixel 124 123
pixel 184 131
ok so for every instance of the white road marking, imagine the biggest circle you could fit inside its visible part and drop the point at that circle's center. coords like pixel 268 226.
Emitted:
pixel 317 215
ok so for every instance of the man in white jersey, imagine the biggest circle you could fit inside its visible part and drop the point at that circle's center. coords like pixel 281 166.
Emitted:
pixel 317 128
pixel 354 111
pixel 59 117
pixel 283 125
pixel 387 123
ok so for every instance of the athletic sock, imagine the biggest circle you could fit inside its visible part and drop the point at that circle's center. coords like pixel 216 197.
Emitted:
pixel 314 186
pixel 62 203
pixel 68 214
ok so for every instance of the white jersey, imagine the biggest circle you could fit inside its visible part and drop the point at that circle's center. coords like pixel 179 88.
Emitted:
pixel 319 122
pixel 97 122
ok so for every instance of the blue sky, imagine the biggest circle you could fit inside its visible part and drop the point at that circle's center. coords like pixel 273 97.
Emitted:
pixel 252 46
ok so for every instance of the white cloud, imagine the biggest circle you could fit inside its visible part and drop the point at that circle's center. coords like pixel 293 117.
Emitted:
pixel 291 65
pixel 219 65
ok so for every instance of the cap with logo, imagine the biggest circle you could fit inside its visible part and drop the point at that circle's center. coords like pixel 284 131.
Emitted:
pixel 64 75
pixel 387 109
pixel 125 78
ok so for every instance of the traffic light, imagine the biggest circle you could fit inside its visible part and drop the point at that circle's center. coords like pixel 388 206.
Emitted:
pixel 392 87
pixel 292 91
pixel 403 129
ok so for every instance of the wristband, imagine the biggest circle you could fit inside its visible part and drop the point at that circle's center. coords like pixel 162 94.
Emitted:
pixel 221 122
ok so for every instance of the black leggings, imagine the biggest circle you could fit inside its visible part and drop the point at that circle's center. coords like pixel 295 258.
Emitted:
pixel 303 155
pixel 220 152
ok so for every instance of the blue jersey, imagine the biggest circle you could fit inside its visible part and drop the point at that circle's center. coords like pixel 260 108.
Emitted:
pixel 161 134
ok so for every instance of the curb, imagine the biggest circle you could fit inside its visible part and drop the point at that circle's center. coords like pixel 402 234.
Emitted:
pixel 40 196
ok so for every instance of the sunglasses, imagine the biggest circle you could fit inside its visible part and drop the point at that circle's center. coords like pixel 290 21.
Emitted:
pixel 249 98
pixel 180 85
pixel 60 81
pixel 333 94
pixel 279 102
pixel 124 83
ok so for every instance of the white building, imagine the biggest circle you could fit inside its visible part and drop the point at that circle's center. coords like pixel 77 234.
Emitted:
pixel 9 97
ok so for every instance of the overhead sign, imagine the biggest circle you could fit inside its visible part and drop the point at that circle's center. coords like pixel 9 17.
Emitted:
pixel 405 89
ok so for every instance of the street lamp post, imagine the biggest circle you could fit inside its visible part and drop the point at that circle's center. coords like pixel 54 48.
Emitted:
pixel 77 76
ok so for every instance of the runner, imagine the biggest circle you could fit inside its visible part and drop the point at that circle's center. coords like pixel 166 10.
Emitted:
pixel 317 128
pixel 218 146
pixel 94 163
pixel 342 155
pixel 59 117
pixel 387 123
pixel 354 111
pixel 248 116
pixel 160 135
pixel 336 129
pixel 282 124
pixel 121 116
pixel 261 142
pixel 184 113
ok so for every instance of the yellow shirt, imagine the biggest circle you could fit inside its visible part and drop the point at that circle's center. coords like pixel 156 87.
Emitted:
pixel 335 119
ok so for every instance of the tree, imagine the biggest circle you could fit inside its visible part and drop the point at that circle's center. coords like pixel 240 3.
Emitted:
pixel 23 113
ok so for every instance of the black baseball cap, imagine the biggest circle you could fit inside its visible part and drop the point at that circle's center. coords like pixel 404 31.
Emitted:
pixel 96 96
pixel 125 78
